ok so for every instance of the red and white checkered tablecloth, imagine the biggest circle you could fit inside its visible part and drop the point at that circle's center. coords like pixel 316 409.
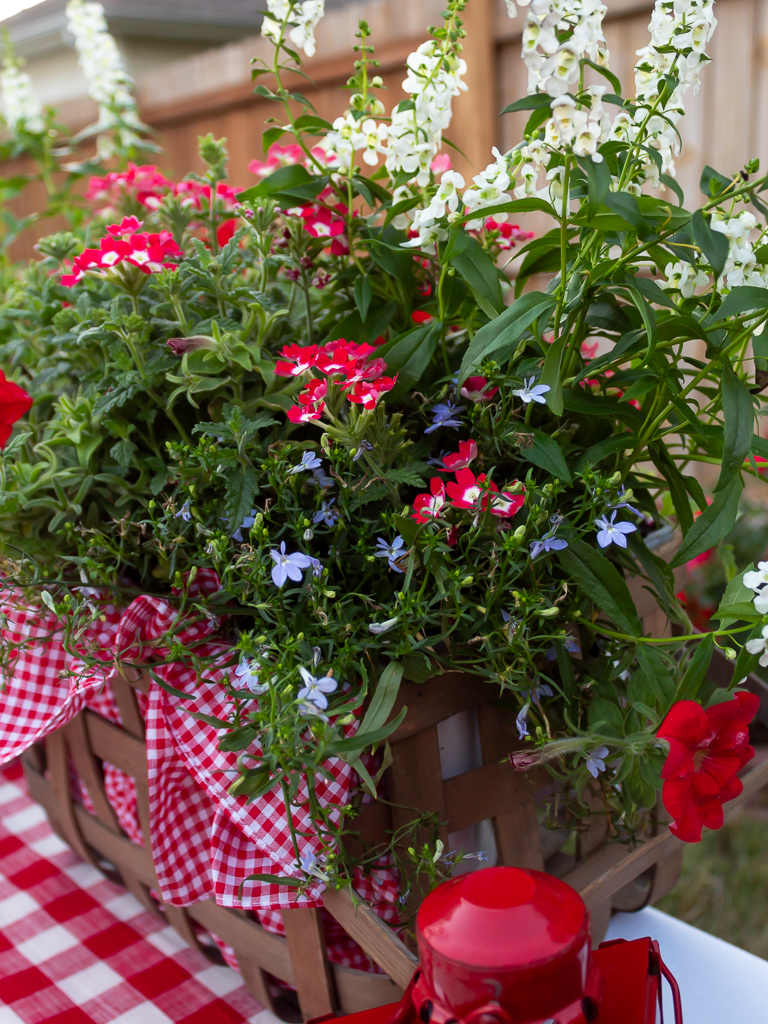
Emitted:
pixel 205 842
pixel 76 949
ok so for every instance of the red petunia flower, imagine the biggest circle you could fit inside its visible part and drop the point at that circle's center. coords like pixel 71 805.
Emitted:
pixel 428 506
pixel 306 410
pixel 462 458
pixel 707 748
pixel 477 389
pixel 368 393
pixel 421 316
pixel 14 403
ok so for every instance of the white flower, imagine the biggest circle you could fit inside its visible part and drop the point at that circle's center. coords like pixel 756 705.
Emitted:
pixel 595 762
pixel 288 567
pixel 532 393
pixel 756 579
pixel 760 602
pixel 760 646
pixel 248 674
pixel 303 17
pixel 611 532
pixel 377 628
pixel 21 107
pixel 109 84
pixel 315 688
pixel 684 278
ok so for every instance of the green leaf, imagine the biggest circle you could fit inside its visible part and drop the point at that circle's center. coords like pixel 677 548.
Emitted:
pixel 605 713
pixel 361 740
pixel 625 205
pixel 548 455
pixel 653 292
pixel 696 670
pixel 746 663
pixel 735 594
pixel 409 355
pixel 171 689
pixel 709 178
pixel 479 271
pixel 677 489
pixel 242 487
pixel 506 330
pixel 528 205
pixel 281 179
pixel 657 673
pixel 363 295
pixel 712 526
pixel 602 583
pixel 384 697
pixel 713 244
pixel 294 883
pixel 608 446
pixel 739 416
pixel 217 723
pixel 649 322
pixel 550 374
pixel 657 571
pixel 607 75
pixel 598 182
pixel 539 101
pixel 744 299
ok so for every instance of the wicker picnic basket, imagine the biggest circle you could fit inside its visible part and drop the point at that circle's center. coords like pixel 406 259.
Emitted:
pixel 609 875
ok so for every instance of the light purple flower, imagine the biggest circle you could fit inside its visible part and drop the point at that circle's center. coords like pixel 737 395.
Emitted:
pixel 326 514
pixel 248 674
pixel 317 567
pixel 315 688
pixel 184 513
pixel 364 446
pixel 611 532
pixel 531 392
pixel 391 551
pixel 246 524
pixel 535 692
pixel 625 504
pixel 445 416
pixel 322 478
pixel 522 721
pixel 288 567
pixel 595 762
pixel 570 645
pixel 549 542
pixel 308 461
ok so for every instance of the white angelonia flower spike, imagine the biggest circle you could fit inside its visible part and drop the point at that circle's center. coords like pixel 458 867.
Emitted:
pixel 109 84
pixel 553 66
pixel 303 17
pixel 21 107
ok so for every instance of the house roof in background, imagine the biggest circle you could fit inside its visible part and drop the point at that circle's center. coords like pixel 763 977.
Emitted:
pixel 43 27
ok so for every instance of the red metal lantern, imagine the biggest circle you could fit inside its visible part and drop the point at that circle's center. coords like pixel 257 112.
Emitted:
pixel 508 946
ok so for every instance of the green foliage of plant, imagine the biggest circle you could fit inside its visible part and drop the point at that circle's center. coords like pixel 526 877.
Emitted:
pixel 159 446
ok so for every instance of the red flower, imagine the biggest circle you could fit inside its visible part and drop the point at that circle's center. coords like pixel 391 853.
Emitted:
pixel 368 393
pixel 14 403
pixel 225 231
pixel 476 389
pixel 427 506
pixel 297 360
pixel 422 317
pixel 706 750
pixel 589 350
pixel 306 410
pixel 462 458
pixel 277 156
pixel 150 253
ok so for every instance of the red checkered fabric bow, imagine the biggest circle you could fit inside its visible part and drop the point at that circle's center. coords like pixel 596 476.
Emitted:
pixel 205 842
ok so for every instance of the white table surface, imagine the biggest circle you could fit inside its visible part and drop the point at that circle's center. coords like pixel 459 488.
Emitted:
pixel 719 983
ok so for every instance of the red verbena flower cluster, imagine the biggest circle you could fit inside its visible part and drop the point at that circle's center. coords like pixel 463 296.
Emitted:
pixel 505 236
pixel 343 364
pixel 150 253
pixel 466 492
pixel 286 156
pixel 707 748
pixel 145 184
pixel 323 222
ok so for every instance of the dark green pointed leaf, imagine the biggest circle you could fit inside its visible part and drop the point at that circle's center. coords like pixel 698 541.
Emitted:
pixel 363 295
pixel 503 333
pixel 696 670
pixel 602 583
pixel 479 271
pixel 739 414
pixel 712 526
pixel 713 244
pixel 548 455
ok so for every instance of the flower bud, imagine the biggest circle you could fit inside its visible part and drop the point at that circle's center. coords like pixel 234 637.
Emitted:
pixel 519 534
pixel 308 535
pixel 549 613
pixel 615 479
pixel 729 653
pixel 467 581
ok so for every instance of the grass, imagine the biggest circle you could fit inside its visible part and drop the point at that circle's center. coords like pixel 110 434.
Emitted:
pixel 724 885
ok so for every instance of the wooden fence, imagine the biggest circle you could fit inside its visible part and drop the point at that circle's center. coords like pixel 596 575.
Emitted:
pixel 213 91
